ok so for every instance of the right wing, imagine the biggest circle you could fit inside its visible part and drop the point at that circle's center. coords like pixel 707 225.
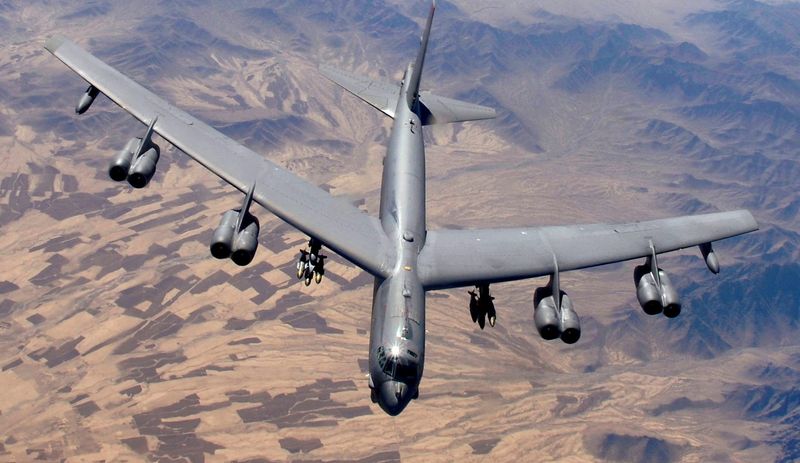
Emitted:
pixel 455 258
pixel 340 226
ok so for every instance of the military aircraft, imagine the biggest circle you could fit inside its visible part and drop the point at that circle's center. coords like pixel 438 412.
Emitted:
pixel 406 259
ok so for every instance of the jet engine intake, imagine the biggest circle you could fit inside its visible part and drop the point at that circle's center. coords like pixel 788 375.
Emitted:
pixel 672 304
pixel 121 163
pixel 545 314
pixel 246 241
pixel 240 246
pixel 656 295
pixel 144 167
pixel 552 321
pixel 647 291
pixel 570 323
pixel 222 241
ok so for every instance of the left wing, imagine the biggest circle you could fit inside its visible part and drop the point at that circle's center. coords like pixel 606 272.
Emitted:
pixel 340 226
pixel 454 258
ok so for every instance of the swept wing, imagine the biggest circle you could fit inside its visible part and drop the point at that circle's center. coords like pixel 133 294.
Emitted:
pixel 341 226
pixel 454 258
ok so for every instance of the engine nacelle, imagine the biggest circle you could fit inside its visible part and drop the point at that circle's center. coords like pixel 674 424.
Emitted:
pixel 121 163
pixel 647 291
pixel 672 303
pixel 653 299
pixel 545 315
pixel 570 323
pixel 144 167
pixel 222 241
pixel 246 241
pixel 553 322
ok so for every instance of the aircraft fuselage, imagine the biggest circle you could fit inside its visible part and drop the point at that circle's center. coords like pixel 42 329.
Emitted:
pixel 397 337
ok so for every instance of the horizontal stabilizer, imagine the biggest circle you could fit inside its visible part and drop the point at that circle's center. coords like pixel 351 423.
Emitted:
pixel 437 109
pixel 434 109
pixel 380 95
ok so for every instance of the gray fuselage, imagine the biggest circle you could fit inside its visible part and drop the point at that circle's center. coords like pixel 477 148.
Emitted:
pixel 397 336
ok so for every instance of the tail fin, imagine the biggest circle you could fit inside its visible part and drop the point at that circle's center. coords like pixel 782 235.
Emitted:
pixel 416 72
pixel 434 109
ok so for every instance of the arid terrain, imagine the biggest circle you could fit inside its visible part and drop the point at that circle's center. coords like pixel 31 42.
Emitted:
pixel 122 339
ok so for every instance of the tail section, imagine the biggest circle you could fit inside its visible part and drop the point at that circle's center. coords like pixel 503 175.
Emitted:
pixel 412 85
pixel 379 95
pixel 433 109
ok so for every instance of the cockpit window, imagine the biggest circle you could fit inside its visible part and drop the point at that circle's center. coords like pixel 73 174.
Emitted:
pixel 405 370
pixel 398 367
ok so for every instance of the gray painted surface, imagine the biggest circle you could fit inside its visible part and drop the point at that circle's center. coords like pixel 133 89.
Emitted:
pixel 406 259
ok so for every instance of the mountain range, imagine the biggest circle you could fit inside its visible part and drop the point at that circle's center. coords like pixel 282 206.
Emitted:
pixel 122 339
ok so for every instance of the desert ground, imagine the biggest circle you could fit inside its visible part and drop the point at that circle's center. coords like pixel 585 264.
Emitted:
pixel 122 339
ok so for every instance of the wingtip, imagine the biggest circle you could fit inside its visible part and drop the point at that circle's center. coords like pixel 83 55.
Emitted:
pixel 326 71
pixel 748 221
pixel 54 42
pixel 753 221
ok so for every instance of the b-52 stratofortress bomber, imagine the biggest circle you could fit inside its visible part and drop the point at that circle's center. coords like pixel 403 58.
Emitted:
pixel 406 258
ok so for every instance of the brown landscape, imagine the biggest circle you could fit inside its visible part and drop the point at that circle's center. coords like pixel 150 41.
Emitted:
pixel 122 339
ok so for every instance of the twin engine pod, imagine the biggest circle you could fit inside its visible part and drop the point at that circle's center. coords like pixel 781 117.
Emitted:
pixel 553 321
pixel 138 170
pixel 234 240
pixel 655 293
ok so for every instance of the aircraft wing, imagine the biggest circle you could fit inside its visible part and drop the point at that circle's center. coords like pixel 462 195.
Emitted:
pixel 339 225
pixel 455 258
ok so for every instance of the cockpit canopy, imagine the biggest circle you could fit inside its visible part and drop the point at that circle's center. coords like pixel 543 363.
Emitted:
pixel 398 363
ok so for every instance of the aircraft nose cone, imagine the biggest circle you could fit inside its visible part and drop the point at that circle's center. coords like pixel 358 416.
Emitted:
pixel 394 396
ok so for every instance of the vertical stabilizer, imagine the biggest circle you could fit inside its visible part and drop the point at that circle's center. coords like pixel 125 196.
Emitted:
pixel 412 85
pixel 431 108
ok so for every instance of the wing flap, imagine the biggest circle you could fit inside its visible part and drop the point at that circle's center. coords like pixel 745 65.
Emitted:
pixel 454 258
pixel 340 225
